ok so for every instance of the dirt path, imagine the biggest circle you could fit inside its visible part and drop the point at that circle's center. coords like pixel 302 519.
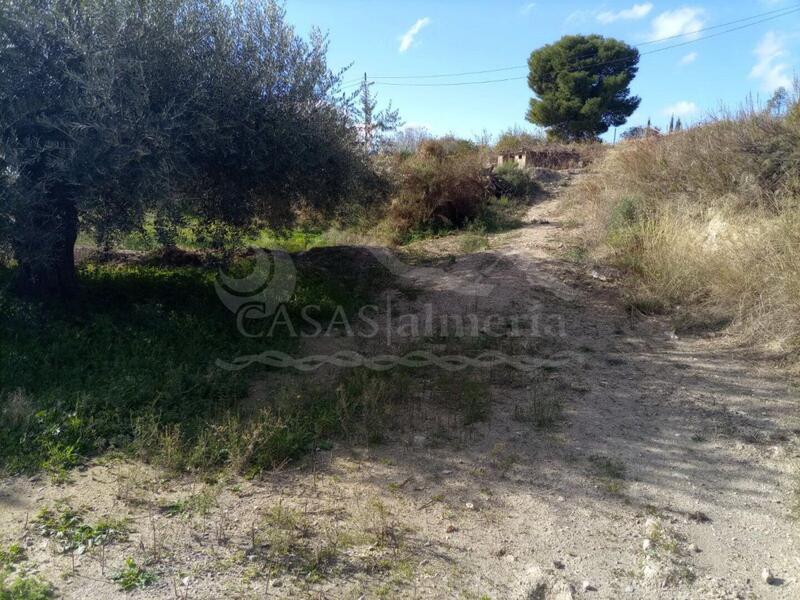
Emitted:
pixel 670 474
pixel 673 476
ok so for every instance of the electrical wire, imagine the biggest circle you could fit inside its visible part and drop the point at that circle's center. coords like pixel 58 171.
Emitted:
pixel 770 15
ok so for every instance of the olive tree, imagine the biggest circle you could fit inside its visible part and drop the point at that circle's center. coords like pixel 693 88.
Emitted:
pixel 113 112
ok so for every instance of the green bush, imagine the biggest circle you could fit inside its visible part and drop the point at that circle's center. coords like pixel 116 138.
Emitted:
pixel 518 182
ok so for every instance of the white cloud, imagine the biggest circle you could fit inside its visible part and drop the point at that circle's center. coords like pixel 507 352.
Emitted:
pixel 527 8
pixel 407 39
pixel 683 108
pixel 688 59
pixel 771 68
pixel 637 11
pixel 681 21
pixel 578 16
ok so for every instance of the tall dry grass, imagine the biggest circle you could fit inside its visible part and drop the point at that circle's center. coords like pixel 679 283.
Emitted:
pixel 709 221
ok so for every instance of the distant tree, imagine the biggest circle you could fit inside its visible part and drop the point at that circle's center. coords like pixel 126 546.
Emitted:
pixel 409 139
pixel 678 125
pixel 639 132
pixel 780 102
pixel 202 112
pixel 517 138
pixel 375 126
pixel 672 124
pixel 582 84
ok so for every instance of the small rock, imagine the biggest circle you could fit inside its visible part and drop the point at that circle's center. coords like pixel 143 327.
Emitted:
pixel 647 545
pixel 470 506
pixel 693 548
pixel 558 564
pixel 185 581
pixel 767 576
pixel 628 589
pixel 451 529
pixel 588 587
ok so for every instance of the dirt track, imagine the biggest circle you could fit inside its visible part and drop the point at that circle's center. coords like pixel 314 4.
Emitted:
pixel 670 476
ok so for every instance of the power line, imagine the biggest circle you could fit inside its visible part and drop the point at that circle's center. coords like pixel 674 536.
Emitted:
pixel 771 15
pixel 601 64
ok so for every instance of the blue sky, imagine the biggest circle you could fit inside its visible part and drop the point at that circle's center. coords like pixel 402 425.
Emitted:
pixel 388 38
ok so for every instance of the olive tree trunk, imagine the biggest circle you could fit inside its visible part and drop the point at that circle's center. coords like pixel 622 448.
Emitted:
pixel 47 268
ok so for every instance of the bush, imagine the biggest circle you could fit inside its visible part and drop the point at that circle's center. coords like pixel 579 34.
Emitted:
pixel 518 183
pixel 441 186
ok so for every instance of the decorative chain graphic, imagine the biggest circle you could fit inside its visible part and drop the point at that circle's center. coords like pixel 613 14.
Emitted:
pixel 384 362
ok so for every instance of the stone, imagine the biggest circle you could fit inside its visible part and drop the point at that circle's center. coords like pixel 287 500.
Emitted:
pixel 647 545
pixel 767 576
pixel 586 586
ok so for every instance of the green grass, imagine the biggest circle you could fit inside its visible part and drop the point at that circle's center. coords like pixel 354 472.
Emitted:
pixel 134 365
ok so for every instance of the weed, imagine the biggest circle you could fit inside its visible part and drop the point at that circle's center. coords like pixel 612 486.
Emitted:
pixel 67 528
pixel 610 468
pixel 502 459
pixel 473 241
pixel 23 587
pixel 10 556
pixel 543 408
pixel 201 503
pixel 611 472
pixel 576 254
pixel 132 576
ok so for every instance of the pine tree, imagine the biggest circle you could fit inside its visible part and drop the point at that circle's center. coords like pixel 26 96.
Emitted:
pixel 672 124
pixel 374 125
pixel 678 125
pixel 582 86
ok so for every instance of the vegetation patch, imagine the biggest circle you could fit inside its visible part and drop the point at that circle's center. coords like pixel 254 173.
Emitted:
pixel 706 222
pixel 23 587
pixel 611 472
pixel 543 408
pixel 133 576
pixel 67 528
pixel 11 556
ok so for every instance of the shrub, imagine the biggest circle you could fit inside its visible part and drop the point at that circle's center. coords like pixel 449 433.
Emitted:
pixel 442 185
pixel 708 220
pixel 517 182
pixel 517 138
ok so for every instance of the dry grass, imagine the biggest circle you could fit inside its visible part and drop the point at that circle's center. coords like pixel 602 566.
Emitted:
pixel 442 184
pixel 709 221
